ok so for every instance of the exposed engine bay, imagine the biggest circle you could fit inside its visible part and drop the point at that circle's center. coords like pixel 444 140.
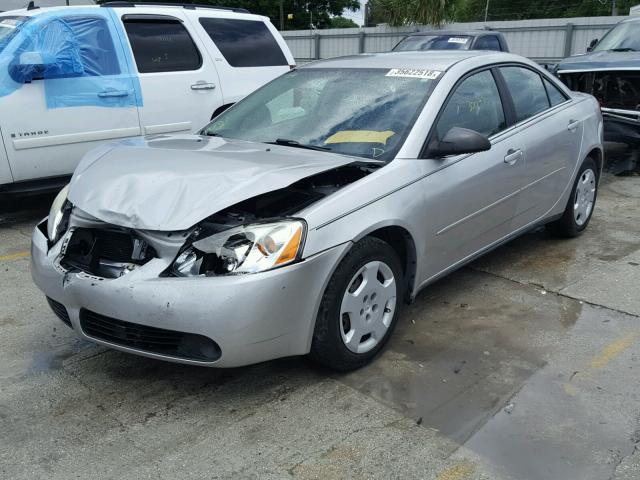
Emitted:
pixel 615 90
pixel 618 92
pixel 286 201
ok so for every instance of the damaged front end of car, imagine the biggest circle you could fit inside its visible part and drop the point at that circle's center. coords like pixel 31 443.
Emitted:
pixel 254 235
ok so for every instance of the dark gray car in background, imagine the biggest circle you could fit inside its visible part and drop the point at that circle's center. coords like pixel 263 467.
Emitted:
pixel 453 40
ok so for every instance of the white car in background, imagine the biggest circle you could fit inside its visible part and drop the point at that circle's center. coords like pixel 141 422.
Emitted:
pixel 74 77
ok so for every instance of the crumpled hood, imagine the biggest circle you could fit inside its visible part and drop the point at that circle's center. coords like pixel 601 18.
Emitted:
pixel 601 60
pixel 173 182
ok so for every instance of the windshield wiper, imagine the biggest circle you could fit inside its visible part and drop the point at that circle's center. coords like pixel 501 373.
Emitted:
pixel 296 144
pixel 623 49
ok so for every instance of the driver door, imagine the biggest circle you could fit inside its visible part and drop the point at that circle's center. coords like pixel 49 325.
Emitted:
pixel 49 124
pixel 471 202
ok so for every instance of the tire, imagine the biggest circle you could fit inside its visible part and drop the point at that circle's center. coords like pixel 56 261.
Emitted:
pixel 357 299
pixel 577 213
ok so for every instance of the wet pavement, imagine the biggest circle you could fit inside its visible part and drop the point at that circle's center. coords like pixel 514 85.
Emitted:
pixel 524 365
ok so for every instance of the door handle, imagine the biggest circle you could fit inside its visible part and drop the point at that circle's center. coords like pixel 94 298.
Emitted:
pixel 203 86
pixel 512 156
pixel 573 125
pixel 113 93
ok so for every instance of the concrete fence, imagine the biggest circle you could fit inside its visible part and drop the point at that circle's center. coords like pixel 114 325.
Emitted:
pixel 543 40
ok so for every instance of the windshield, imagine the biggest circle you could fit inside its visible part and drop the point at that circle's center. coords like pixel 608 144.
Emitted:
pixel 623 37
pixel 8 28
pixel 362 112
pixel 434 42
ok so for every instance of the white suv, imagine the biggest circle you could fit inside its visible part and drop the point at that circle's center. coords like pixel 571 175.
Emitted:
pixel 74 77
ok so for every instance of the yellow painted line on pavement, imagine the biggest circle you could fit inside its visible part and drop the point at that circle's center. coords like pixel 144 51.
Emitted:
pixel 613 350
pixel 459 471
pixel 14 256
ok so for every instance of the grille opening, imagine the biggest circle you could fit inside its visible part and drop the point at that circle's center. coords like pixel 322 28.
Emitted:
pixel 172 343
pixel 60 311
pixel 106 253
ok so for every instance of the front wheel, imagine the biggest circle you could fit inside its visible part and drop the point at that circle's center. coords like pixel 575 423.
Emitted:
pixel 582 201
pixel 360 306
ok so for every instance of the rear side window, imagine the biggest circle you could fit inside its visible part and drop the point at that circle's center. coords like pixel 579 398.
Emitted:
pixel 244 43
pixel 475 104
pixel 528 92
pixel 162 46
pixel 488 42
pixel 556 97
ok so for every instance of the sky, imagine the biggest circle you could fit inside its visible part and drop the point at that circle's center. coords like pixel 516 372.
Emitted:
pixel 357 16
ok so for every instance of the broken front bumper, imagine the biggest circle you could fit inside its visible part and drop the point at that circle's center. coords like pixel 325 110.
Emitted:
pixel 224 321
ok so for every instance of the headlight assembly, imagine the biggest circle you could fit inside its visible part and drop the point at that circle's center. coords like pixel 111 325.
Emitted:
pixel 246 249
pixel 58 220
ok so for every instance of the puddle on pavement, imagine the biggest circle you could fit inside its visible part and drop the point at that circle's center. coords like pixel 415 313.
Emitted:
pixel 472 344
pixel 460 351
pixel 51 360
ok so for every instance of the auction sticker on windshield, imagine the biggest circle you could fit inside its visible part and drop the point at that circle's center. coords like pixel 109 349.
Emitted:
pixel 413 73
pixel 458 40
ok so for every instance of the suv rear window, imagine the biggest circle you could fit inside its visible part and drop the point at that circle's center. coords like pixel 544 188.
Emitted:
pixel 162 45
pixel 244 43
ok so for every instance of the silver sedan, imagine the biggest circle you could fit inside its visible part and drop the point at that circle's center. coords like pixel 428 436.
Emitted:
pixel 302 219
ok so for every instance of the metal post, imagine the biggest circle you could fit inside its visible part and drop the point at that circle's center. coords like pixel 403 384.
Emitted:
pixel 316 38
pixel 361 42
pixel 486 11
pixel 281 15
pixel 568 39
pixel 614 8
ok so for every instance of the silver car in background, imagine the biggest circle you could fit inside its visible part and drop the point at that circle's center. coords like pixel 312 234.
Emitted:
pixel 302 219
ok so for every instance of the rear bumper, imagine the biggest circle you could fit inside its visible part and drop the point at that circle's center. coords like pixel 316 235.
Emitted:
pixel 252 318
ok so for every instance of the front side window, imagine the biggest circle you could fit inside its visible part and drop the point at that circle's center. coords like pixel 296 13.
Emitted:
pixel 97 51
pixel 244 43
pixel 528 92
pixel 488 42
pixel 475 104
pixel 362 112
pixel 162 45
pixel 624 37
pixel 434 42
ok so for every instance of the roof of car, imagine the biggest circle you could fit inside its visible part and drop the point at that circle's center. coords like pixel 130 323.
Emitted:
pixel 124 4
pixel 475 33
pixel 433 59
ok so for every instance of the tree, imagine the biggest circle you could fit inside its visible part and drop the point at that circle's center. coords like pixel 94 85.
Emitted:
pixel 474 10
pixel 342 22
pixel 322 11
pixel 407 12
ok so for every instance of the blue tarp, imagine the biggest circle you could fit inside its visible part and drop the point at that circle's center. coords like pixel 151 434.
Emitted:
pixel 78 53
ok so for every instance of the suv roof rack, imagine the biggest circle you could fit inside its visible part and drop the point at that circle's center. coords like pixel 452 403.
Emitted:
pixel 188 6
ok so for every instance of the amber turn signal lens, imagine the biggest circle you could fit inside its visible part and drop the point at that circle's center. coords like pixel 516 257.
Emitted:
pixel 291 248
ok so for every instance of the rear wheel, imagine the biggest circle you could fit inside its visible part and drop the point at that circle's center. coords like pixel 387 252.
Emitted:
pixel 582 201
pixel 360 306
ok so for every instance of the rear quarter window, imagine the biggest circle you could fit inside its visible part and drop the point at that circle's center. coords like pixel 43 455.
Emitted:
pixel 556 97
pixel 244 43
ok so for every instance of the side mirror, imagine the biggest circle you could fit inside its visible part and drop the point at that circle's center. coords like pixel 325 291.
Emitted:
pixel 458 141
pixel 592 45
pixel 29 66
